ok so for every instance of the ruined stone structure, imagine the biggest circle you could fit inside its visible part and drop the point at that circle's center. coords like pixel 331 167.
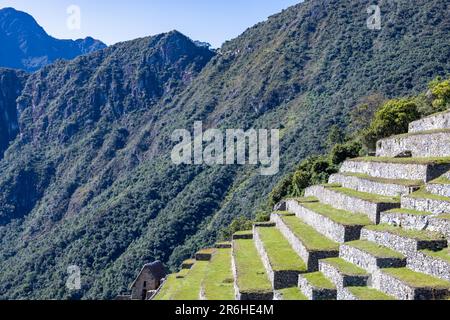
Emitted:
pixel 378 230
pixel 148 281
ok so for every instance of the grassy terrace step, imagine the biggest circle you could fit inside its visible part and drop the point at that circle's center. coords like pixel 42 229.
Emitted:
pixel 432 143
pixel 355 201
pixel 338 225
pixel 342 217
pixel 168 289
pixel 315 286
pixel 282 263
pixel 371 256
pixel 290 294
pixel 443 255
pixel 406 218
pixel 424 201
pixel 223 245
pixel 246 235
pixel 183 273
pixel 424 169
pixel 405 241
pixel 187 264
pixel 204 254
pixel 365 294
pixel 342 273
pixel 218 282
pixel 406 284
pixel 382 186
pixel 305 240
pixel 251 279
pixel 190 287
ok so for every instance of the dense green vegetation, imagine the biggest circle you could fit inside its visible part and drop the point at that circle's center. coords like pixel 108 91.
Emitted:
pixel 89 181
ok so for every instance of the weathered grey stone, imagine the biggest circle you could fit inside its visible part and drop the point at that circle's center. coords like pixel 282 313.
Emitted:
pixel 439 189
pixel 361 184
pixel 326 226
pixel 341 279
pixel 440 224
pixel 314 293
pixel 368 261
pixel 433 122
pixel 402 244
pixel 223 245
pixel 281 206
pixel 426 144
pixel 350 203
pixel 389 170
pixel 432 205
pixel 405 220
pixel 402 291
pixel 204 255
pixel 242 236
pixel 280 279
pixel 425 263
pixel 311 258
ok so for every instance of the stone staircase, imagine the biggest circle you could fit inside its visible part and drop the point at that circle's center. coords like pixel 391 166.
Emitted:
pixel 378 231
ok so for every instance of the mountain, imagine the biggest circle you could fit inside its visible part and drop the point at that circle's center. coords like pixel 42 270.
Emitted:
pixel 89 181
pixel 11 85
pixel 25 45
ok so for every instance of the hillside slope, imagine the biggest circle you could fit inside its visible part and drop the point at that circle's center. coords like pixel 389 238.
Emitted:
pixel 25 45
pixel 89 180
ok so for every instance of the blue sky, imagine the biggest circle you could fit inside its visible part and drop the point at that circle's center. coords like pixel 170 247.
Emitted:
pixel 111 21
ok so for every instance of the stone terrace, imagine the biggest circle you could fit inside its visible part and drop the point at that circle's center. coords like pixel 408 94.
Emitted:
pixel 378 231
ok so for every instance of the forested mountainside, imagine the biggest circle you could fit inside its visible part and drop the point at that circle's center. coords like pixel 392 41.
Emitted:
pixel 11 85
pixel 25 45
pixel 89 180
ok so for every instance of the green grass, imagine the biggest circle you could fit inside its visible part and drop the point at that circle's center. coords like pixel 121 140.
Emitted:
pixel 339 216
pixel 413 234
pixel 292 294
pixel 190 286
pixel 345 267
pixel 423 194
pixel 281 255
pixel 306 200
pixel 244 233
pixel 375 249
pixel 425 161
pixel 417 280
pixel 370 197
pixel 183 273
pixel 170 286
pixel 444 217
pixel 206 251
pixel 219 283
pixel 284 213
pixel 420 133
pixel 189 262
pixel 368 294
pixel 442 255
pixel 318 280
pixel 251 274
pixel 402 182
pixel 408 212
pixel 311 239
pixel 441 180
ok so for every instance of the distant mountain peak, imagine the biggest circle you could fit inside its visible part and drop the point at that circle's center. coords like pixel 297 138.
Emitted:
pixel 26 45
